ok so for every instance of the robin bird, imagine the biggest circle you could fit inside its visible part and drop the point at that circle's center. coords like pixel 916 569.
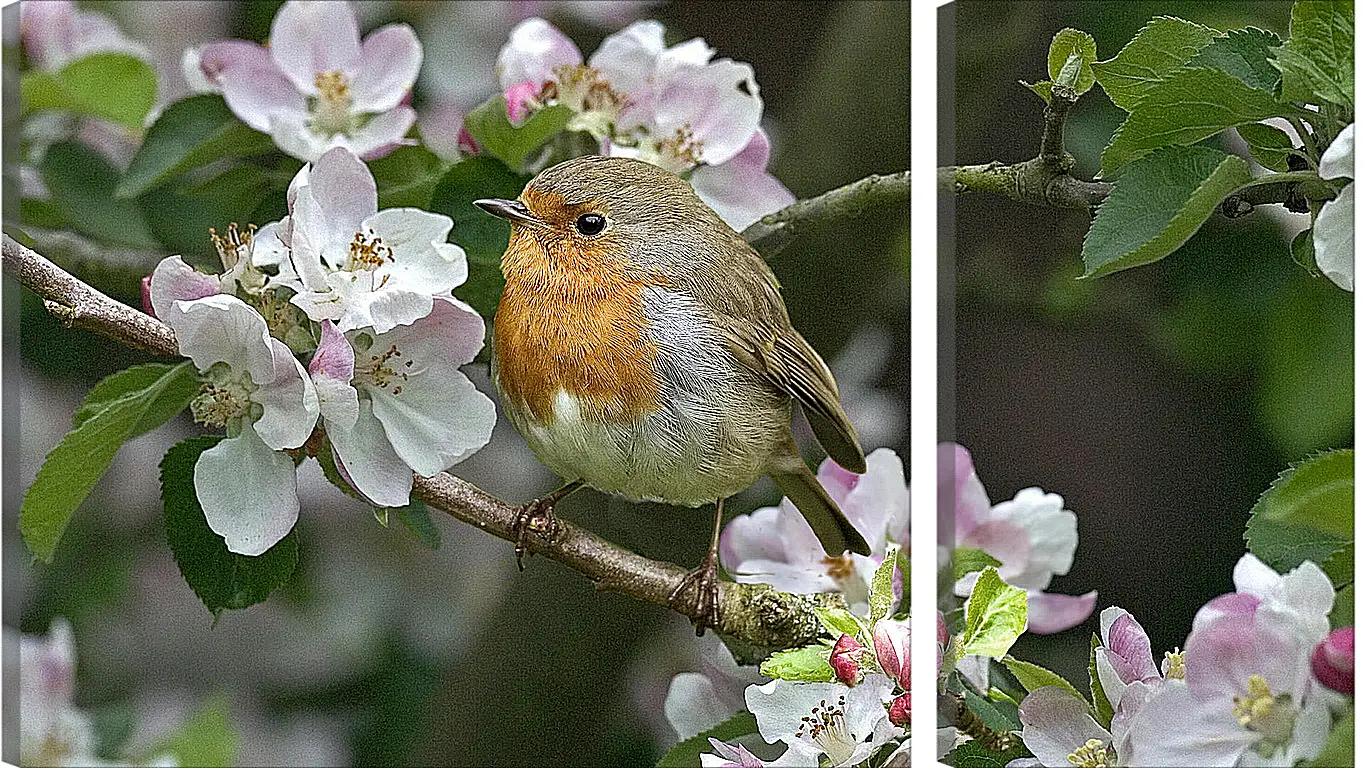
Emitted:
pixel 642 348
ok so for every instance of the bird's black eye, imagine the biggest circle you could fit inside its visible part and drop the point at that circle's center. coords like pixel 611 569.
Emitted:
pixel 591 224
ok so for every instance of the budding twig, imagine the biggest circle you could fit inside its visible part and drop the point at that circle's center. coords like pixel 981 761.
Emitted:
pixel 756 614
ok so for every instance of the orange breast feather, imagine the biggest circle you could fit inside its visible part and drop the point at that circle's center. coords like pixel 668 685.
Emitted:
pixel 574 322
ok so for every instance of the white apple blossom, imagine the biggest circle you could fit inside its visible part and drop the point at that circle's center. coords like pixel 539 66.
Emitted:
pixel 775 545
pixel 316 85
pixel 356 265
pixel 1032 535
pixel 1334 228
pixel 56 32
pixel 824 721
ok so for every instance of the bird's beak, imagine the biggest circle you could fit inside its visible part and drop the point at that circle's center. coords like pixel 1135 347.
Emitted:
pixel 512 210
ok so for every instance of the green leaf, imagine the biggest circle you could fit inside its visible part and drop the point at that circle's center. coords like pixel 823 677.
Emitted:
pixel 807 665
pixel 180 215
pixel 1318 492
pixel 82 184
pixel 996 615
pixel 997 715
pixel 1303 391
pixel 207 739
pixel 1303 253
pixel 971 754
pixel 1065 44
pixel 1318 62
pixel 1189 106
pixel 882 594
pixel 406 177
pixel 687 753
pixel 191 132
pixel 221 579
pixel 1158 49
pixel 72 468
pixel 1032 676
pixel 1268 145
pixel 483 237
pixel 1043 88
pixel 1104 711
pixel 1343 608
pixel 111 86
pixel 1157 204
pixel 1244 54
pixel 1339 751
pixel 970 559
pixel 1284 547
pixel 417 519
pixel 137 378
pixel 838 621
pixel 495 134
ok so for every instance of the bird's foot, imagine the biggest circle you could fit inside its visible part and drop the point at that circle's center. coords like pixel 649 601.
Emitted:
pixel 697 596
pixel 538 517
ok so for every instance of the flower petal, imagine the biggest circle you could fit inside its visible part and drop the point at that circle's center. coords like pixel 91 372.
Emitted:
pixel 1048 612
pixel 174 280
pixel 248 492
pixel 288 400
pixel 1339 159
pixel 533 49
pixel 222 328
pixel 213 59
pixel 382 134
pixel 391 57
pixel 259 95
pixel 692 704
pixel 331 370
pixel 1175 729
pixel 627 59
pixel 313 36
pixel 737 193
pixel 709 100
pixel 353 303
pixel 1334 239
pixel 436 418
pixel 369 461
pixel 1056 724
pixel 422 259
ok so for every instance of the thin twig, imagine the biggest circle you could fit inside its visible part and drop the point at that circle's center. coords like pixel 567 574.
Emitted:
pixel 773 232
pixel 756 614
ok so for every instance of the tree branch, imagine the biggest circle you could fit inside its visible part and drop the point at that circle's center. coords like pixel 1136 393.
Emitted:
pixel 773 232
pixel 756 614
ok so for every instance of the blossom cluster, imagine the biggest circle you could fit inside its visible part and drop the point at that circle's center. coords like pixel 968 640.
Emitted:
pixel 862 711
pixel 674 106
pixel 367 292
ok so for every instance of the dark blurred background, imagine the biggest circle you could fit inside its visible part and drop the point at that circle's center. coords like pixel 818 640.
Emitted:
pixel 380 651
pixel 1160 401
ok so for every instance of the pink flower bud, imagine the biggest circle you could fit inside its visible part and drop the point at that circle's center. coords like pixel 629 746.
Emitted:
pixel 900 710
pixel 891 639
pixel 1334 660
pixel 521 100
pixel 147 295
pixel 465 143
pixel 844 659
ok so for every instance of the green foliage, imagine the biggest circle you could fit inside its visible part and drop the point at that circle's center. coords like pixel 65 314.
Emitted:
pixel 417 519
pixel 221 579
pixel 882 595
pixel 1066 44
pixel 111 86
pixel 997 614
pixel 1304 392
pixel 512 144
pixel 181 214
pixel 1099 703
pixel 1244 54
pixel 121 407
pixel 1032 676
pixel 1267 144
pixel 838 621
pixel 1158 204
pixel 971 754
pixel 970 560
pixel 191 132
pixel 82 185
pixel 482 236
pixel 406 177
pixel 808 665
pixel 1188 106
pixel 1158 49
pixel 1344 607
pixel 1306 514
pixel 687 753
pixel 207 739
pixel 997 715
pixel 1318 62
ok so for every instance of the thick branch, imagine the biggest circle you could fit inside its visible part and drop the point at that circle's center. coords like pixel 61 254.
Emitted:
pixel 775 231
pixel 753 613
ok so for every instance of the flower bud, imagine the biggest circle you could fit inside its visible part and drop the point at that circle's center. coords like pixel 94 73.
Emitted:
pixel 891 639
pixel 844 659
pixel 900 710
pixel 1334 660
pixel 521 101
pixel 147 295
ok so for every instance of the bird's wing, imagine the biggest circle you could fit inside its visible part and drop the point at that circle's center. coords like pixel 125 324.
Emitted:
pixel 748 308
